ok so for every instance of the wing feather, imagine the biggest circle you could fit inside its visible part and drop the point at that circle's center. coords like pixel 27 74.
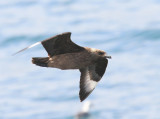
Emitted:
pixel 56 45
pixel 60 44
pixel 90 77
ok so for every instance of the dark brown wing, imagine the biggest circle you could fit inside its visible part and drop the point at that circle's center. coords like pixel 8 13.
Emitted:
pixel 90 77
pixel 56 45
pixel 60 44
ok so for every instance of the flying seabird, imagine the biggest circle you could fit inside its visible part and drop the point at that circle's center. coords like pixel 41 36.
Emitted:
pixel 65 54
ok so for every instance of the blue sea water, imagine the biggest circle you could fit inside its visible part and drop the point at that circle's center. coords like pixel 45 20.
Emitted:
pixel 128 30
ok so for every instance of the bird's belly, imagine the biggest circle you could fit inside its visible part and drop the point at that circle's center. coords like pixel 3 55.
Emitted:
pixel 70 61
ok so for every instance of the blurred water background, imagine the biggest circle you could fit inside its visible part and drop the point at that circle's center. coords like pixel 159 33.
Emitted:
pixel 129 30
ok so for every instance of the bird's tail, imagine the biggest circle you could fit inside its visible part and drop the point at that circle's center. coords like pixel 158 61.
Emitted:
pixel 40 61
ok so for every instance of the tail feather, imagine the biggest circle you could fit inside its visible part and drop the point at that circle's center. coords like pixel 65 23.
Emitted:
pixel 40 61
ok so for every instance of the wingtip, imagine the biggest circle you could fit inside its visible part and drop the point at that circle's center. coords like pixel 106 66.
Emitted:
pixel 81 100
pixel 27 47
pixel 19 51
pixel 83 96
pixel 14 54
pixel 66 33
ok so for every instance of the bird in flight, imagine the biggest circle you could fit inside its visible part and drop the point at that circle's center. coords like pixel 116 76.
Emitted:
pixel 65 54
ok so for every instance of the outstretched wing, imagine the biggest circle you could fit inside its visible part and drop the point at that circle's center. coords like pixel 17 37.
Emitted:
pixel 60 44
pixel 56 45
pixel 90 76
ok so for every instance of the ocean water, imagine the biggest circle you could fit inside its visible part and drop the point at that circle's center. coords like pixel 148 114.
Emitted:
pixel 128 30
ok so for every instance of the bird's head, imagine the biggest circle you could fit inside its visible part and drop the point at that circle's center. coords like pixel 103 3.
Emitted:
pixel 99 53
pixel 103 54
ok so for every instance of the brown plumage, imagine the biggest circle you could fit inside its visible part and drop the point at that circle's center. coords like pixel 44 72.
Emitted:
pixel 64 54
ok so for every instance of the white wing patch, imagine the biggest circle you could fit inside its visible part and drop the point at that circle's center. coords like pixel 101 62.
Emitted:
pixel 88 81
pixel 89 84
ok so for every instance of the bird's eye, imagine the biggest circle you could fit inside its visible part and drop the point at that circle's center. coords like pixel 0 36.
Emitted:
pixel 101 53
